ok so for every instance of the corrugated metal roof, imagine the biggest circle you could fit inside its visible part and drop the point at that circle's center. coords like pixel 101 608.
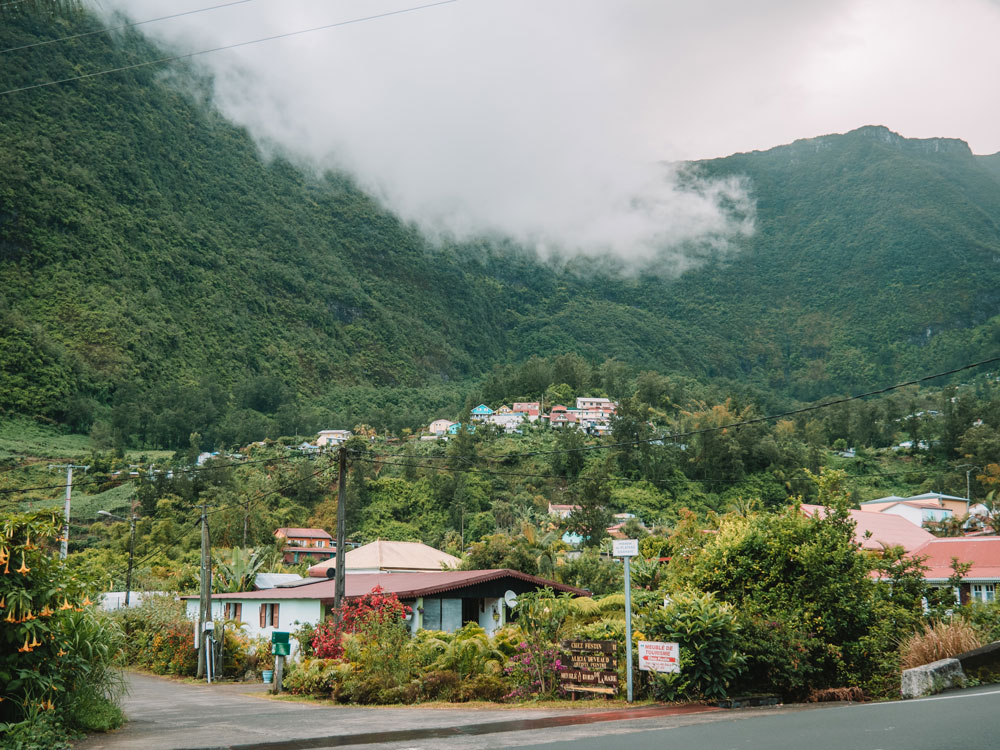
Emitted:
pixel 875 531
pixel 983 552
pixel 403 585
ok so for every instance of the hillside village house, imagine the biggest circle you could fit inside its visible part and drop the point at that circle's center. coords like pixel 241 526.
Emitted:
pixel 531 409
pixel 332 438
pixel 480 413
pixel 980 582
pixel 441 600
pixel 440 426
pixel 305 544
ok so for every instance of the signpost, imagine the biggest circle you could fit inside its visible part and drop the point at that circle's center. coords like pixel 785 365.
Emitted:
pixel 655 656
pixel 280 647
pixel 627 549
pixel 593 667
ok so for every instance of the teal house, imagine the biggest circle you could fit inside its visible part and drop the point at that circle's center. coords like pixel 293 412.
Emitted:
pixel 481 412
pixel 454 429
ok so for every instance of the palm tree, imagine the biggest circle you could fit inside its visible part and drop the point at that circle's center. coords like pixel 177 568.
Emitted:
pixel 239 571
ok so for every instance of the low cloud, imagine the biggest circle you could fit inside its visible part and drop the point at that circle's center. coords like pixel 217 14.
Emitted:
pixel 558 123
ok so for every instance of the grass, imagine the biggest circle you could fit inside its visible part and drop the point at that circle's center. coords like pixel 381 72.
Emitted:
pixel 938 640
pixel 20 437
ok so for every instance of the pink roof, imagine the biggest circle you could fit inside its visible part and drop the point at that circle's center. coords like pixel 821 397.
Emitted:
pixel 291 533
pixel 887 530
pixel 983 552
pixel 404 585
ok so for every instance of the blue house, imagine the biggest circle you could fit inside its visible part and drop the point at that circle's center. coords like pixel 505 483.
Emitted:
pixel 453 430
pixel 481 412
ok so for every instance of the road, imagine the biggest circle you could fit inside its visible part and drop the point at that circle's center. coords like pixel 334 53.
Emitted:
pixel 165 714
pixel 965 719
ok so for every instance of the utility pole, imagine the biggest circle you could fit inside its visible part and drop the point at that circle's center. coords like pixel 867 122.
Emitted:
pixel 338 586
pixel 64 546
pixel 246 522
pixel 131 556
pixel 205 604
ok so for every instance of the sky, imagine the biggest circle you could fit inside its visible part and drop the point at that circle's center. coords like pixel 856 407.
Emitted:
pixel 560 123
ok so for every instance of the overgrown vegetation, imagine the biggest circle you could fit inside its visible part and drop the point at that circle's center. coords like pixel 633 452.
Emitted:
pixel 60 658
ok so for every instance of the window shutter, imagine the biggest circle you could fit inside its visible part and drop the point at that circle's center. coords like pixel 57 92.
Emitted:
pixel 263 614
pixel 275 621
pixel 239 612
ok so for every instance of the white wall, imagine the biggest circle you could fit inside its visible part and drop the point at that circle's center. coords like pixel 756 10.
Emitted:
pixel 291 614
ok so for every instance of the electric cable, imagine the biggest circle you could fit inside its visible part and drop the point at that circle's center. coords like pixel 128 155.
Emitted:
pixel 188 55
pixel 122 26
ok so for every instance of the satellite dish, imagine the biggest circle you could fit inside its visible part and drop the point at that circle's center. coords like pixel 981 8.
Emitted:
pixel 510 598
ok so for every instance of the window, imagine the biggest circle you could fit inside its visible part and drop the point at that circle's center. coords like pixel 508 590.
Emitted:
pixel 269 615
pixel 984 592
pixel 234 611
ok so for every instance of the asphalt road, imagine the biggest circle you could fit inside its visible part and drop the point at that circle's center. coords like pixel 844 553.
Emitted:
pixel 963 720
pixel 165 714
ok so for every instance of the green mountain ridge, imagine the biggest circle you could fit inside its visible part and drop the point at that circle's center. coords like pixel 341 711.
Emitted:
pixel 151 260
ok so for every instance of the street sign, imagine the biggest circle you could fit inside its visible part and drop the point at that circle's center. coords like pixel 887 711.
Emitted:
pixel 625 547
pixel 655 656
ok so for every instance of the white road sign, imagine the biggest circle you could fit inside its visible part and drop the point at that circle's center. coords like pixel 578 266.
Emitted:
pixel 659 657
pixel 625 547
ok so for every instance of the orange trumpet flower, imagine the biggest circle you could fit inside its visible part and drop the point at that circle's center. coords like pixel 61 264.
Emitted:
pixel 66 604
pixel 24 568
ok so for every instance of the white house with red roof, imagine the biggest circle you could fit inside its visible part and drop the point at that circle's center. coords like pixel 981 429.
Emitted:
pixel 983 552
pixel 441 600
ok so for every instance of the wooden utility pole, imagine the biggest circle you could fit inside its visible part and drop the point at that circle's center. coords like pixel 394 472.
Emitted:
pixel 338 587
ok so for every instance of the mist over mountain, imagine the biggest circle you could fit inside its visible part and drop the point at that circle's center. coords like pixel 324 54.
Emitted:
pixel 153 262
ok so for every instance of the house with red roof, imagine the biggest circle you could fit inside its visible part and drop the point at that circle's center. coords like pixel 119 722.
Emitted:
pixel 980 581
pixel 875 531
pixel 314 545
pixel 440 600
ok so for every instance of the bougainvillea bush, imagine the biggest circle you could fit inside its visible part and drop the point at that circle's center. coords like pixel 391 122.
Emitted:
pixel 59 656
pixel 372 612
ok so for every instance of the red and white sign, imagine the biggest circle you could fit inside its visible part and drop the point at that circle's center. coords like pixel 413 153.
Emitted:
pixel 659 657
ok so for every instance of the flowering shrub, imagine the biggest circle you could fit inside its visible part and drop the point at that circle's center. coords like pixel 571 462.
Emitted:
pixel 58 657
pixel 371 612
pixel 533 671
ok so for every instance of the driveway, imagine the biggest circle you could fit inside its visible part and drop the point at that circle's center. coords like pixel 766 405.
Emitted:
pixel 165 714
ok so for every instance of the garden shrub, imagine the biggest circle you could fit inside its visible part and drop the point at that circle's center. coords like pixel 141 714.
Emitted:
pixel 708 634
pixel 484 687
pixel 316 676
pixel 985 618
pixel 440 685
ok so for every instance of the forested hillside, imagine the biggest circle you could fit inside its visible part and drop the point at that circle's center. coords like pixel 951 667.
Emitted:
pixel 160 277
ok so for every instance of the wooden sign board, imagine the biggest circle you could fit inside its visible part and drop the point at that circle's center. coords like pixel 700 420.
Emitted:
pixel 592 667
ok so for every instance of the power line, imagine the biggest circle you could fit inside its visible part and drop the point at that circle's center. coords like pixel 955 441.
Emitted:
pixel 242 504
pixel 189 55
pixel 617 479
pixel 158 473
pixel 122 26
